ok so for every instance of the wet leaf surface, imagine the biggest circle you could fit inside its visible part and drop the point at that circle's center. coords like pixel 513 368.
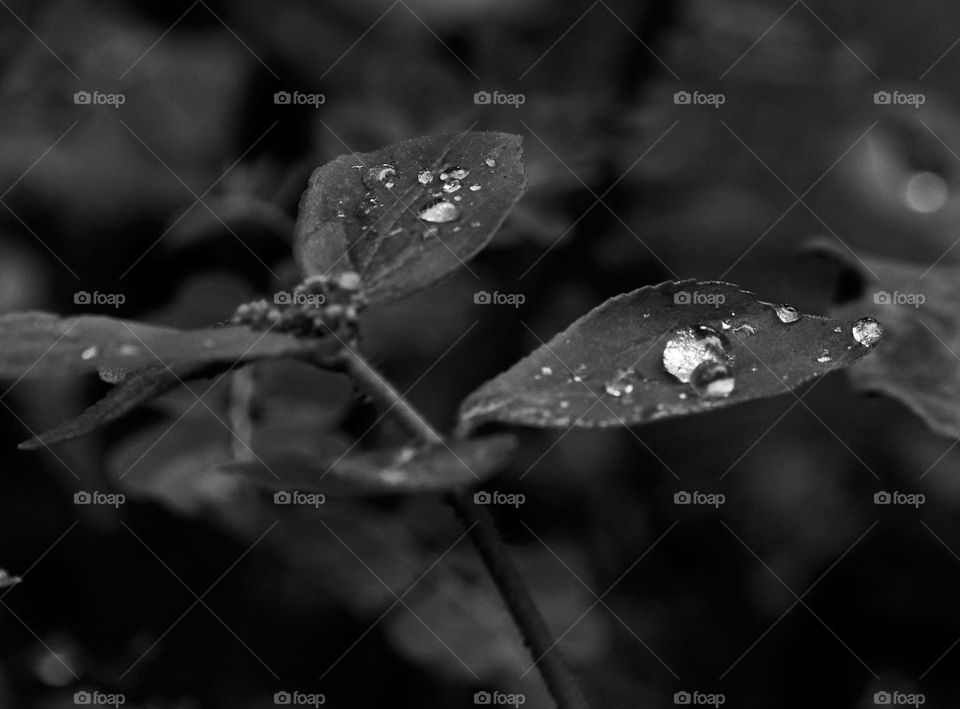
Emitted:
pixel 408 214
pixel 36 344
pixel 668 350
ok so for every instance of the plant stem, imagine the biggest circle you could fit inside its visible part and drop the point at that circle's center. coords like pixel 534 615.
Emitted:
pixel 485 537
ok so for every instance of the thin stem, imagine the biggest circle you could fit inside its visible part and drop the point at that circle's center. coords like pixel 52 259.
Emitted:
pixel 485 537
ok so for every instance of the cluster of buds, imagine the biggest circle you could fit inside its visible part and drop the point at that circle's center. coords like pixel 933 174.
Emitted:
pixel 318 305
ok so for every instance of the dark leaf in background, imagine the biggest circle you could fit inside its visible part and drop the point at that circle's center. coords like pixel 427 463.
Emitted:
pixel 390 470
pixel 41 344
pixel 668 350
pixel 137 388
pixel 919 307
pixel 406 215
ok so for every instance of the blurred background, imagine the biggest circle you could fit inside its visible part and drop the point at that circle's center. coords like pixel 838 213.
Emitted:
pixel 157 152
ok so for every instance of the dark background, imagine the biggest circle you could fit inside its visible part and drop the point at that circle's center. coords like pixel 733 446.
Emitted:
pixel 96 198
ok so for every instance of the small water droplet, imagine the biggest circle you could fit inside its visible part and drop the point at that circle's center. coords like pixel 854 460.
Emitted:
pixel 744 327
pixel 620 386
pixel 451 186
pixel 89 353
pixel 546 371
pixel 425 177
pixel 867 332
pixel 564 404
pixel 838 329
pixel 490 162
pixel 455 173
pixel 440 212
pixel 128 350
pixel 475 225
pixel 713 380
pixel 379 173
pixel 475 188
pixel 112 375
pixel 824 356
pixel 690 347
pixel 787 314
pixel 725 324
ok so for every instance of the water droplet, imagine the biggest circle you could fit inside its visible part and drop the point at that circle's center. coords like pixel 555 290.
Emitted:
pixel 425 177
pixel 475 188
pixel 475 225
pixel 824 356
pixel 451 186
pixel 713 380
pixel 725 324
pixel 787 313
pixel 838 329
pixel 440 212
pixel 620 385
pixel 112 375
pixel 926 192
pixel 490 162
pixel 867 332
pixel 366 206
pixel 128 351
pixel 749 329
pixel 690 347
pixel 564 404
pixel 546 371
pixel 89 353
pixel 379 173
pixel 456 173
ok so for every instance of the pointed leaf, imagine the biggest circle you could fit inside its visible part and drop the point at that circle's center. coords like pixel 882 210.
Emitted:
pixel 386 471
pixel 608 369
pixel 137 388
pixel 42 344
pixel 364 212
pixel 919 306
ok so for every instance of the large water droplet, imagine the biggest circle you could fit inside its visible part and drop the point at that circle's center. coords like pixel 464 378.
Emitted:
pixel 451 186
pixel 89 353
pixel 713 380
pixel 425 177
pixel 867 332
pixel 690 347
pixel 490 162
pixel 440 212
pixel 787 313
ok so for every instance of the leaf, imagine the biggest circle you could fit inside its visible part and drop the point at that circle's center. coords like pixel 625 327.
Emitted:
pixel 38 344
pixel 607 368
pixel 351 219
pixel 137 388
pixel 920 311
pixel 389 470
